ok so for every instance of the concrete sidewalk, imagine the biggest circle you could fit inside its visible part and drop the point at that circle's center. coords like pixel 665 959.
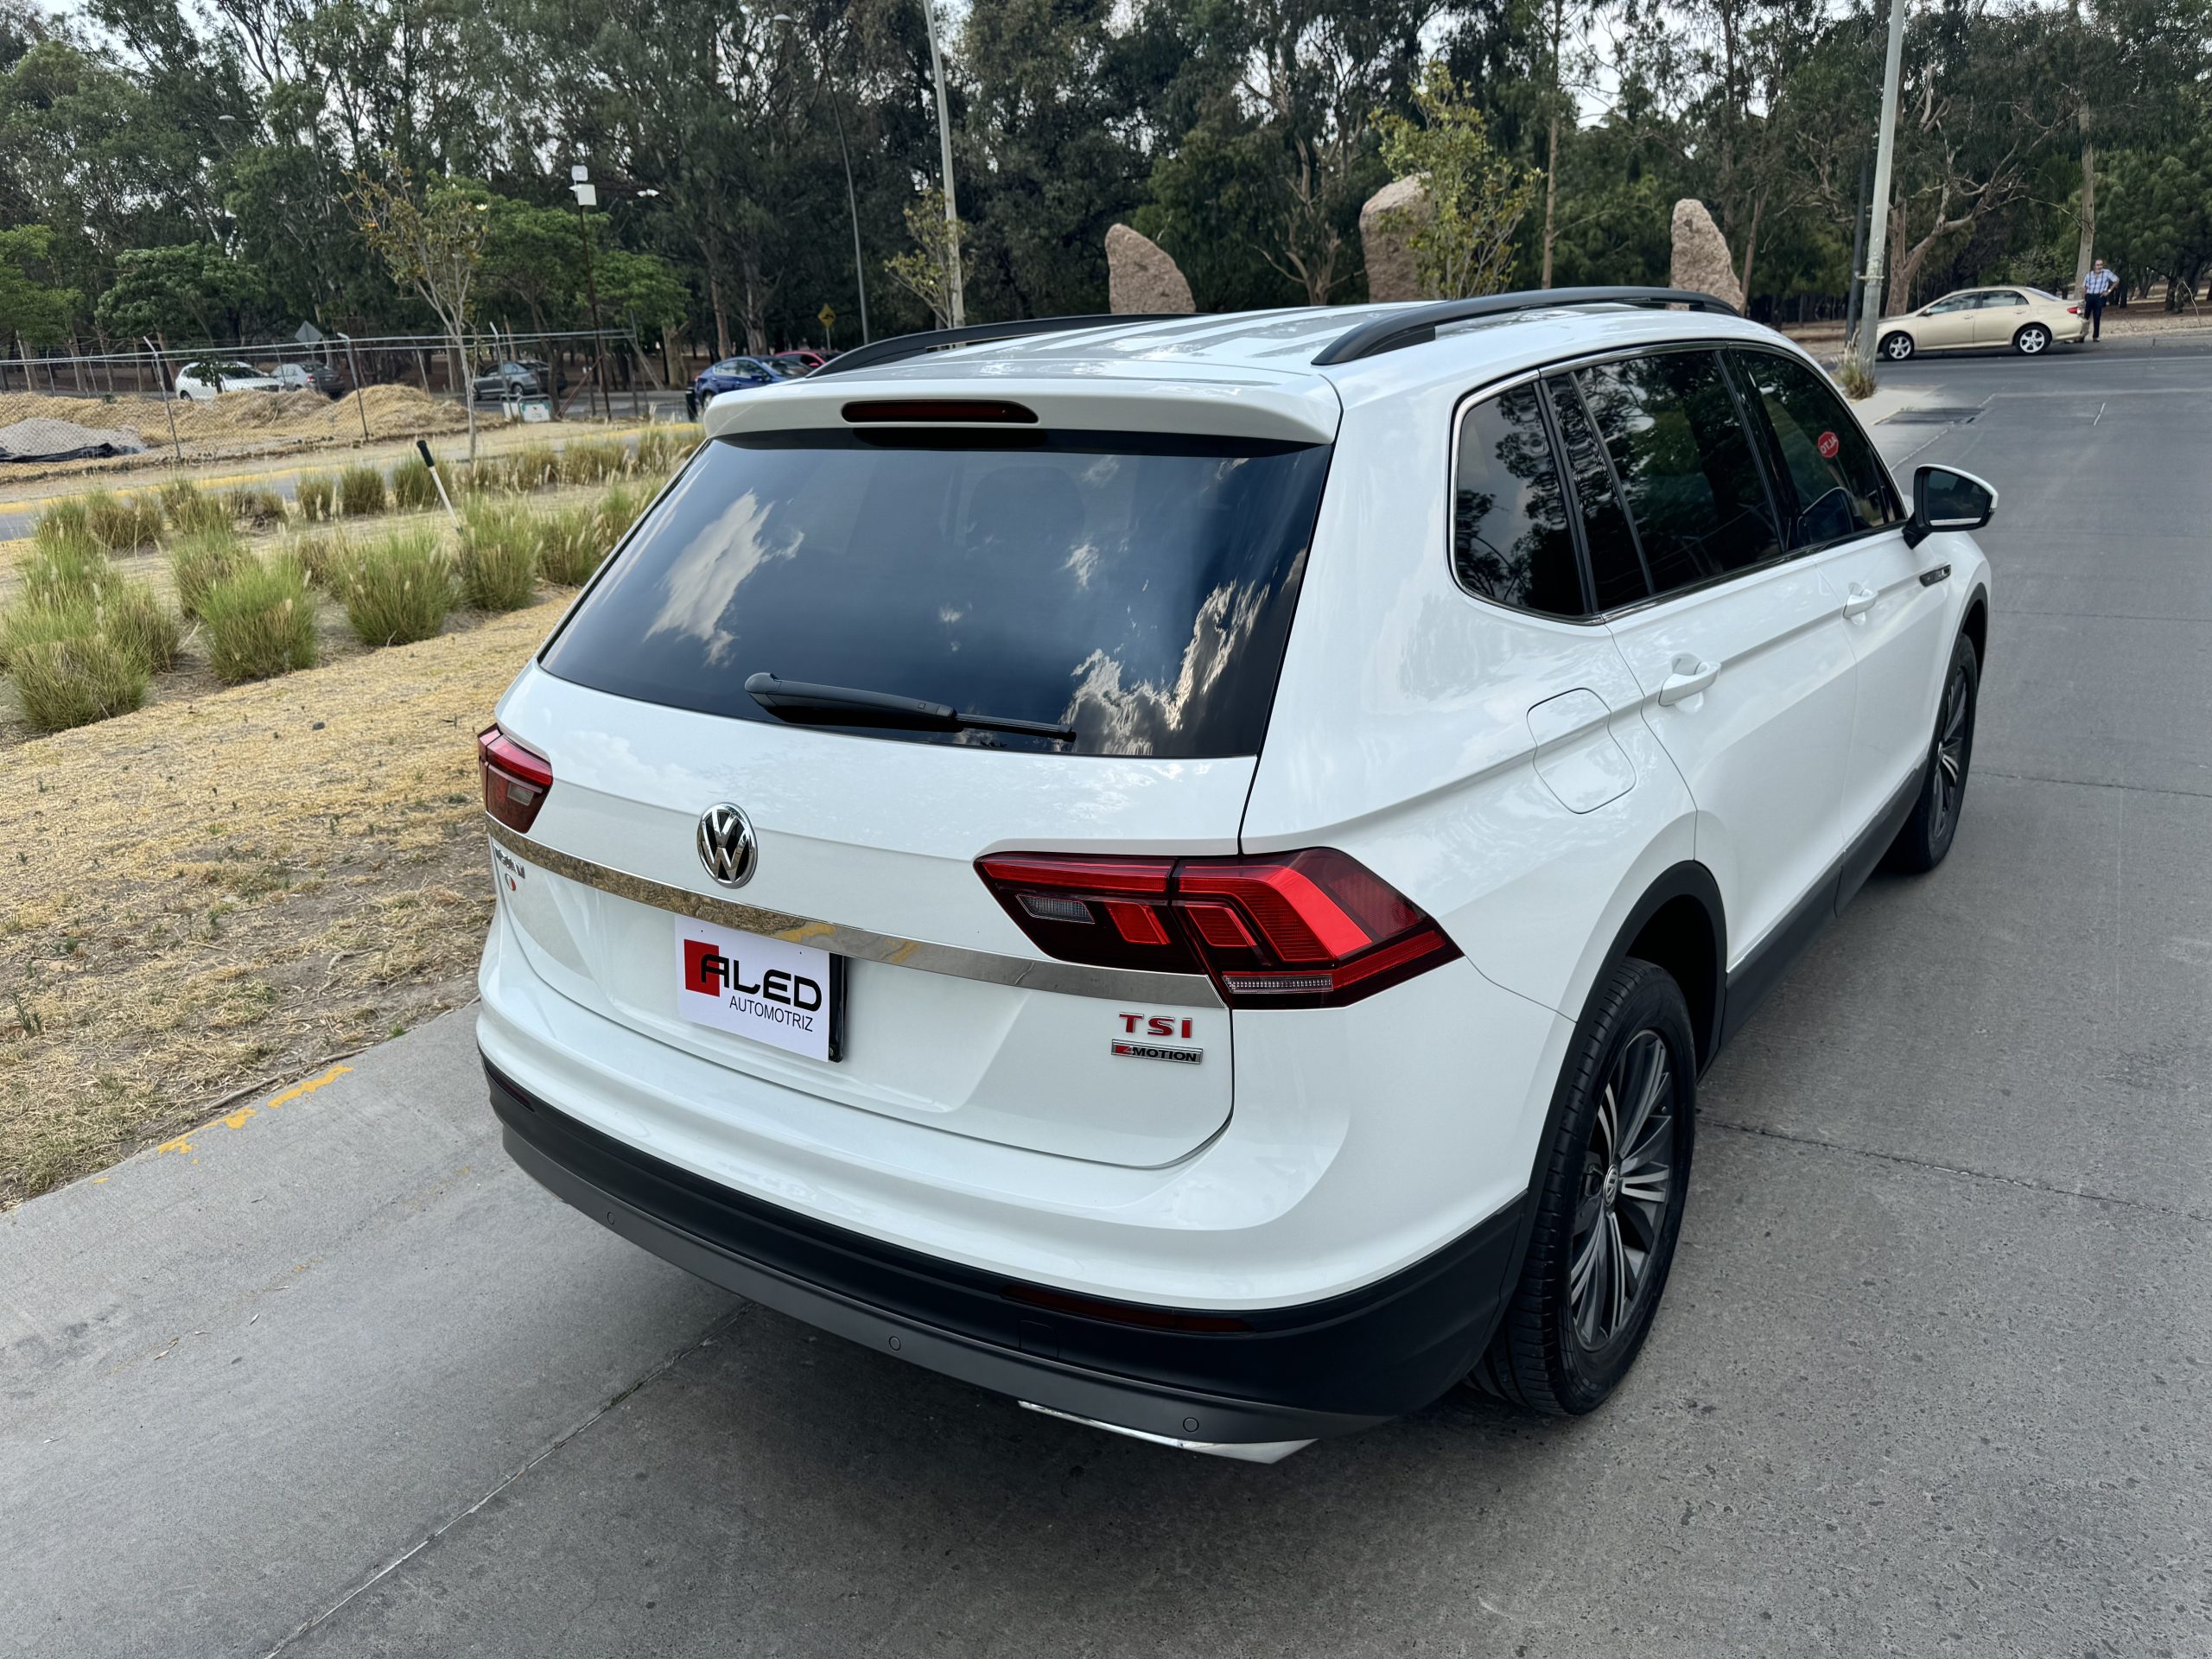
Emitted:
pixel 239 1378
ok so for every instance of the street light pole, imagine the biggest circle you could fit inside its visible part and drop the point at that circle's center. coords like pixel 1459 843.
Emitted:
pixel 586 196
pixel 852 202
pixel 1878 227
pixel 944 151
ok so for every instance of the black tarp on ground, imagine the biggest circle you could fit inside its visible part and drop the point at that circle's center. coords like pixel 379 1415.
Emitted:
pixel 41 439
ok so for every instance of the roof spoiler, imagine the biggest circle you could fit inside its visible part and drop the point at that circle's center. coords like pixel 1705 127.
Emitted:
pixel 1418 325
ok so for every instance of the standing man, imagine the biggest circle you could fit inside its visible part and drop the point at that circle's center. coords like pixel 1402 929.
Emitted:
pixel 2097 284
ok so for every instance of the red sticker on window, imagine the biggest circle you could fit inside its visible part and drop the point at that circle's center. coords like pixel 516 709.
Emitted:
pixel 1827 445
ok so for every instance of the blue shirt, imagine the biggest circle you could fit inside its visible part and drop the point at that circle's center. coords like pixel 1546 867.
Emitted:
pixel 2100 281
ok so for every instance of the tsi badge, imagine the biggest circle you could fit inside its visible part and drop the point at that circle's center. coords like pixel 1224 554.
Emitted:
pixel 1139 1035
pixel 768 989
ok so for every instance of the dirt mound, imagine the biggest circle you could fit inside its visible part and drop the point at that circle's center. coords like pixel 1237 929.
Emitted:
pixel 392 411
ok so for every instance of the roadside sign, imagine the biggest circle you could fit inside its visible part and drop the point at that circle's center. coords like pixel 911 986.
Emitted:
pixel 308 334
pixel 827 317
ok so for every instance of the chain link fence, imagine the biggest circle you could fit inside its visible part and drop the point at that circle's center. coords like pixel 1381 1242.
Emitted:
pixel 118 409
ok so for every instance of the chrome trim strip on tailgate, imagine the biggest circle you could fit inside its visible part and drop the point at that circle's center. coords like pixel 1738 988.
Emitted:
pixel 1035 974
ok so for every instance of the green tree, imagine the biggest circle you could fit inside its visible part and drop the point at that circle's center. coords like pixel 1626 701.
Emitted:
pixel 533 259
pixel 925 269
pixel 30 309
pixel 1462 239
pixel 195 293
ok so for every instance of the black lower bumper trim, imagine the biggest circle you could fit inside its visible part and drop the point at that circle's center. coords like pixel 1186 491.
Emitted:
pixel 1297 1373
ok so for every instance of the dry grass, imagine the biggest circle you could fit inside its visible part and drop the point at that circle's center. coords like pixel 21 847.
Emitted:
pixel 209 895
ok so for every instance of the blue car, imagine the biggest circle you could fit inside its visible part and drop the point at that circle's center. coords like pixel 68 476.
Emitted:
pixel 737 373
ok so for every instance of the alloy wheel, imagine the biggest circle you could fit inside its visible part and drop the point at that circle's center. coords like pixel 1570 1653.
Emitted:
pixel 1628 1181
pixel 2032 340
pixel 1949 781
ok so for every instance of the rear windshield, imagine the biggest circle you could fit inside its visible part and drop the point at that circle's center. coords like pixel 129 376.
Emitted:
pixel 1138 588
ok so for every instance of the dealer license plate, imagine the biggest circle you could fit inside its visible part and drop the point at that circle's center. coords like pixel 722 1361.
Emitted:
pixel 789 996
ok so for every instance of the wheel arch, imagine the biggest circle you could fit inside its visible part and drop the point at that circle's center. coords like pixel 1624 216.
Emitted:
pixel 1679 923
pixel 1975 625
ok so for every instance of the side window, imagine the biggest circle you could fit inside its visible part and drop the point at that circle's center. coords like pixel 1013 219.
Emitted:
pixel 1954 302
pixel 1616 569
pixel 1509 536
pixel 1687 473
pixel 1830 471
pixel 1998 301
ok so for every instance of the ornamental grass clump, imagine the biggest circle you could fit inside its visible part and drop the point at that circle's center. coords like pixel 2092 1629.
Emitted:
pixel 499 558
pixel 257 509
pixel 322 559
pixel 190 509
pixel 535 465
pixel 63 523
pixel 317 494
pixel 593 462
pixel 67 573
pixel 30 622
pixel 123 523
pixel 568 547
pixel 75 680
pixel 201 560
pixel 413 489
pixel 399 589
pixel 361 492
pixel 259 622
pixel 133 618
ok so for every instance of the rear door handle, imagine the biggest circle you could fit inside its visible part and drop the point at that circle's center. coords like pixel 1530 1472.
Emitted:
pixel 1688 677
pixel 1859 601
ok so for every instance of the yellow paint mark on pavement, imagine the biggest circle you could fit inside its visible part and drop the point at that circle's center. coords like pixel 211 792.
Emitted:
pixel 299 1091
pixel 182 1143
pixel 236 1120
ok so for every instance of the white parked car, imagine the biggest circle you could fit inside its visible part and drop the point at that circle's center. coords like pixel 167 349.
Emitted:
pixel 204 381
pixel 1187 871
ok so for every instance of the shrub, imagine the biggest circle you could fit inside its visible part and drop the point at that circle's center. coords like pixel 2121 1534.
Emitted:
pixel 201 561
pixel 75 681
pixel 34 622
pixel 1857 382
pixel 63 521
pixel 412 487
pixel 122 522
pixel 499 558
pixel 568 547
pixel 399 588
pixel 535 467
pixel 67 573
pixel 360 491
pixel 259 508
pixel 323 560
pixel 136 621
pixel 317 495
pixel 189 511
pixel 260 622
pixel 655 446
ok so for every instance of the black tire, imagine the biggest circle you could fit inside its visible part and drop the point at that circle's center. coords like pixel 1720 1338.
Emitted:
pixel 2033 339
pixel 1928 834
pixel 1566 1339
pixel 1898 347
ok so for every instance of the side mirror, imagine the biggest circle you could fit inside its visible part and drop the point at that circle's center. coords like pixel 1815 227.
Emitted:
pixel 1946 498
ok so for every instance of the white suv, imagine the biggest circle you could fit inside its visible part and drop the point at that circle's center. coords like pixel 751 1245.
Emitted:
pixel 1185 870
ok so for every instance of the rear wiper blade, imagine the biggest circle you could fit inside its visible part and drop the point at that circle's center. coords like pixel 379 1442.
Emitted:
pixel 806 705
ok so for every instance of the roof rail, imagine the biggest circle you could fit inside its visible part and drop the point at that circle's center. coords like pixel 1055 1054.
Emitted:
pixel 902 346
pixel 1418 326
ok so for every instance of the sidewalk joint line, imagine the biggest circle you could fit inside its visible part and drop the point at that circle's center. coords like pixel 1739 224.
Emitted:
pixel 659 1368
pixel 2021 1181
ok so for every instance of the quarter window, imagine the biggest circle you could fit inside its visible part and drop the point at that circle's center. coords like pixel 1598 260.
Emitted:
pixel 1509 537
pixel 1687 471
pixel 1833 482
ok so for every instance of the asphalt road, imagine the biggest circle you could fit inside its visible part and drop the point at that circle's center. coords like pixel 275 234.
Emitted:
pixel 1933 1375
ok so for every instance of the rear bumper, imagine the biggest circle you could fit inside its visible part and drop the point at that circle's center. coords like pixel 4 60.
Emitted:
pixel 1289 1376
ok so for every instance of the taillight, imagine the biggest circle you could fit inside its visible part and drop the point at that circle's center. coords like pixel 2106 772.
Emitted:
pixel 1310 928
pixel 2072 311
pixel 515 779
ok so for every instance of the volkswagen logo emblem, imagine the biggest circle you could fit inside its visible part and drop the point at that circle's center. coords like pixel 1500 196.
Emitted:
pixel 727 846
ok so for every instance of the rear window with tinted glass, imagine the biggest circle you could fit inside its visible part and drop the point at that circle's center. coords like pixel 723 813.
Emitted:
pixel 1509 536
pixel 1136 587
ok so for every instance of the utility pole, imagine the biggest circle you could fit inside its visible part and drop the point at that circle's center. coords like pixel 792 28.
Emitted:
pixel 944 152
pixel 580 185
pixel 1858 289
pixel 1885 153
pixel 852 202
